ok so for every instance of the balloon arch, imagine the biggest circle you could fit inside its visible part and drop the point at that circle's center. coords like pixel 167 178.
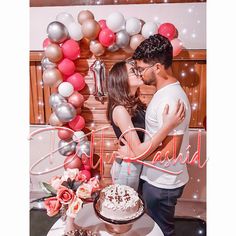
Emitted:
pixel 62 48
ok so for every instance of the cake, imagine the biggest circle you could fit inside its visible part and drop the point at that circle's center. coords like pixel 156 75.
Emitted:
pixel 119 202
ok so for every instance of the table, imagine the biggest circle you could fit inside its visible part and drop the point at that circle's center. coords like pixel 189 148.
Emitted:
pixel 87 218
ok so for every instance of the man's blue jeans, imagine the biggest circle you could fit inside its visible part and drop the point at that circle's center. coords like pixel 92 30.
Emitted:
pixel 160 204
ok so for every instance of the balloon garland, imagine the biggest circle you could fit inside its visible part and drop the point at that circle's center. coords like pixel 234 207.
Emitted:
pixel 62 48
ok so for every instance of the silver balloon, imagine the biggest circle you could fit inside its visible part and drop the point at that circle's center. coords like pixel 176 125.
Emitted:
pixel 54 121
pixel 67 147
pixel 122 39
pixel 79 137
pixel 57 32
pixel 45 63
pixel 65 112
pixel 55 100
pixel 99 74
pixel 83 148
pixel 112 48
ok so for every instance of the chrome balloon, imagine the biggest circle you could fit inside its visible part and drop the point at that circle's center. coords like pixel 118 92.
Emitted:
pixel 65 112
pixel 67 148
pixel 45 63
pixel 57 32
pixel 83 148
pixel 113 48
pixel 122 39
pixel 79 137
pixel 56 99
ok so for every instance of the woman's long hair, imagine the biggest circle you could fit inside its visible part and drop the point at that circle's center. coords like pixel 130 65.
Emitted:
pixel 118 90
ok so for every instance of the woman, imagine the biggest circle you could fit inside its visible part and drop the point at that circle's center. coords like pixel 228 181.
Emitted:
pixel 126 111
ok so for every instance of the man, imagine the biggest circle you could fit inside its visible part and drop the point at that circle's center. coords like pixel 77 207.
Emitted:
pixel 161 190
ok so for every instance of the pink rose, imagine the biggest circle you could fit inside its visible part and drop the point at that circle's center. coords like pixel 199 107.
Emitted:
pixel 94 182
pixel 74 207
pixel 84 191
pixel 53 205
pixel 65 195
pixel 80 177
pixel 56 182
pixel 70 173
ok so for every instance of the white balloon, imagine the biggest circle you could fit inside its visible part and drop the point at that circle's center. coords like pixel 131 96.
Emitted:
pixel 65 18
pixel 115 21
pixel 75 31
pixel 149 28
pixel 65 89
pixel 133 26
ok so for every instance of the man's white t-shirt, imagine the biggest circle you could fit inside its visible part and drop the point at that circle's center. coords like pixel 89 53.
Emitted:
pixel 153 122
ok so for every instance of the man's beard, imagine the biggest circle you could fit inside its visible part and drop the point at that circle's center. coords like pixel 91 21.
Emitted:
pixel 151 80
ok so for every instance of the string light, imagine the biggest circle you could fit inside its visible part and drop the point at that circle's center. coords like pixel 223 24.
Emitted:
pixel 192 69
pixel 198 180
pixel 183 74
pixel 186 64
pixel 195 90
pixel 190 10
pixel 200 231
pixel 98 2
pixel 193 35
pixel 194 106
pixel 195 197
pixel 108 144
pixel 198 21
pixel 92 125
pixel 184 31
pixel 40 137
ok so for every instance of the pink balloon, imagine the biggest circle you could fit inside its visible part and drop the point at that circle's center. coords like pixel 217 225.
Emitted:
pixel 168 30
pixel 77 123
pixel 102 24
pixel 64 134
pixel 74 162
pixel 77 80
pixel 106 37
pixel 86 167
pixel 76 99
pixel 177 46
pixel 86 173
pixel 71 49
pixel 66 66
pixel 85 160
pixel 46 42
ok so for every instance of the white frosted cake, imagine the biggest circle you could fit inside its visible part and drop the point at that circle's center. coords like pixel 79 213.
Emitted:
pixel 119 202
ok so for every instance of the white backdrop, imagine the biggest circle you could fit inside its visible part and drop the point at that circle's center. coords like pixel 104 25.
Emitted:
pixel 189 19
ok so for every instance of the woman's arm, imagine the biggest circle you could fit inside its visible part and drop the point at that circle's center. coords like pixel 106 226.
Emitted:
pixel 170 122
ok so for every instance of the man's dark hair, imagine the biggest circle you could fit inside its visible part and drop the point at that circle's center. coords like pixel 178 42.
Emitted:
pixel 156 48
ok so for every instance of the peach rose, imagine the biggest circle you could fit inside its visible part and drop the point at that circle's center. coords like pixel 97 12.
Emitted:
pixel 65 195
pixel 74 207
pixel 70 173
pixel 56 182
pixel 53 205
pixel 80 177
pixel 84 191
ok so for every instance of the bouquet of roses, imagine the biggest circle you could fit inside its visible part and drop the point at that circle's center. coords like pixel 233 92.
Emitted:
pixel 69 192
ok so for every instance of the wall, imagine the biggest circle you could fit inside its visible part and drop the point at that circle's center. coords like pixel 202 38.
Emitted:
pixel 189 19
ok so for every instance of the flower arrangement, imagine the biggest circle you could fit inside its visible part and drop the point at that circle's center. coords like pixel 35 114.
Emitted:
pixel 69 192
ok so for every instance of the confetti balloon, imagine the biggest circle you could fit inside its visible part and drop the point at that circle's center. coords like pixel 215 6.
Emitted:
pixel 57 32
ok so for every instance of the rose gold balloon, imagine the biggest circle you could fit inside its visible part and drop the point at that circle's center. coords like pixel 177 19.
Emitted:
pixel 78 110
pixel 76 99
pixel 54 121
pixel 53 52
pixel 72 162
pixel 52 77
pixel 90 29
pixel 96 48
pixel 64 134
pixel 128 49
pixel 85 15
pixel 136 40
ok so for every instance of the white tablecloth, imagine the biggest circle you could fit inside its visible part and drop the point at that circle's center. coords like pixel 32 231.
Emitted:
pixel 87 218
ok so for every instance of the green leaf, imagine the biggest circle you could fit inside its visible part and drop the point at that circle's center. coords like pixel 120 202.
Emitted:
pixel 48 188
